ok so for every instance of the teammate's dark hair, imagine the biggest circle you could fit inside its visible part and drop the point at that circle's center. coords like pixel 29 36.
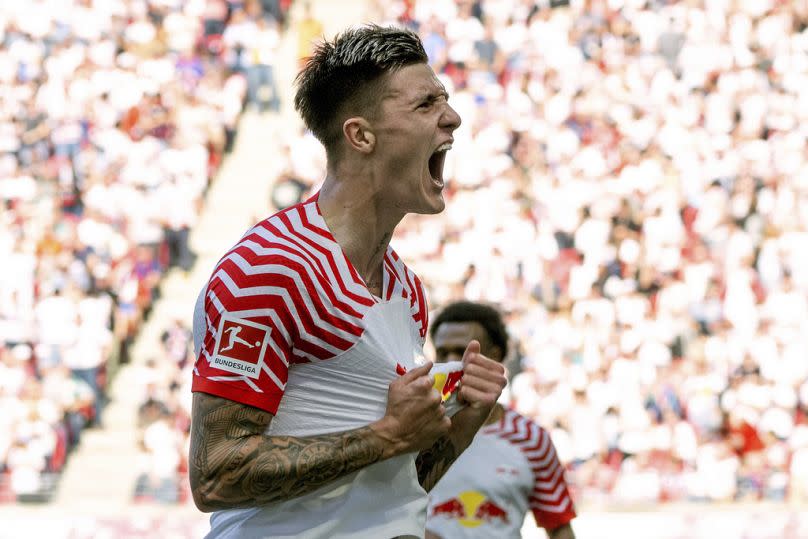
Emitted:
pixel 345 77
pixel 485 315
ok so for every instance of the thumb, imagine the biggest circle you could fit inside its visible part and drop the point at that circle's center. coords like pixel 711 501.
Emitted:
pixel 416 373
pixel 472 349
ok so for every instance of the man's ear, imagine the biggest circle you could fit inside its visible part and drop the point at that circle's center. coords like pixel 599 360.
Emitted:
pixel 359 135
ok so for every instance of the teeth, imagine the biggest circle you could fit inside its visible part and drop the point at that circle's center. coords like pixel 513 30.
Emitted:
pixel 446 146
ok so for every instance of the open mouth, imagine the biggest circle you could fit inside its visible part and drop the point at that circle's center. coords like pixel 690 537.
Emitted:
pixel 436 161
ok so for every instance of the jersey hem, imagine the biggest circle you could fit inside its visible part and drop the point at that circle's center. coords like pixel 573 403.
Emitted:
pixel 264 401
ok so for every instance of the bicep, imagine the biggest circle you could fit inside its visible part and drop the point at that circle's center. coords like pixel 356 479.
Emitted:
pixel 217 419
pixel 224 435
pixel 220 428
pixel 562 532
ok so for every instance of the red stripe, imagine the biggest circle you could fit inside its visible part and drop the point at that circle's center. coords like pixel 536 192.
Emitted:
pixel 399 280
pixel 263 279
pixel 275 302
pixel 312 245
pixel 274 363
pixel 251 302
pixel 411 288
pixel 529 435
pixel 511 425
pixel 422 312
pixel 308 225
pixel 548 486
pixel 391 283
pixel 317 270
pixel 540 440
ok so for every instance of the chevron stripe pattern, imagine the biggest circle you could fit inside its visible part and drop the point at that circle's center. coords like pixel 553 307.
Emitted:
pixel 288 274
pixel 550 499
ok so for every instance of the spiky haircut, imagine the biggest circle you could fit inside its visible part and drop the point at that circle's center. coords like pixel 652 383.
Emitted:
pixel 344 76
pixel 485 315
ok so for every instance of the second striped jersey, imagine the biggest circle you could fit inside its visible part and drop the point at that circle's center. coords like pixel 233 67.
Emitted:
pixel 509 469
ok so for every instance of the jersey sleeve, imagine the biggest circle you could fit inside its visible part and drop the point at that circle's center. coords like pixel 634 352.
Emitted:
pixel 244 331
pixel 550 500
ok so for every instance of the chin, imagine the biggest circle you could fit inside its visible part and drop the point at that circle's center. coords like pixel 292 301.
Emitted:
pixel 430 205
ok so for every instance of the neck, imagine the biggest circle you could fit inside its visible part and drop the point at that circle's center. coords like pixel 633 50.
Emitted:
pixel 360 222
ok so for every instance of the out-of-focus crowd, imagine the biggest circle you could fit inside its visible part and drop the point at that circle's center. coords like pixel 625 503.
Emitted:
pixel 114 115
pixel 630 186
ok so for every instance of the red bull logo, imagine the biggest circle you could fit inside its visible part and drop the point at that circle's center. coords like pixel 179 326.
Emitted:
pixel 471 509
pixel 444 382
pixel 447 383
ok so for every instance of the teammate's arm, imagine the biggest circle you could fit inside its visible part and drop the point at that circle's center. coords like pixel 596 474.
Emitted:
pixel 562 532
pixel 432 463
pixel 482 383
pixel 234 464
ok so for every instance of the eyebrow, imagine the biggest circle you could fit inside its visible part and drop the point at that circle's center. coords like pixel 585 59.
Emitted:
pixel 431 94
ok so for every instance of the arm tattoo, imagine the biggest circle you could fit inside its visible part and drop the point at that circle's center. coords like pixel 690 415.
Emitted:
pixel 432 463
pixel 234 464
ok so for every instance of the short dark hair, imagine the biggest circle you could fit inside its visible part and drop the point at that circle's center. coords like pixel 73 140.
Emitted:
pixel 485 315
pixel 343 76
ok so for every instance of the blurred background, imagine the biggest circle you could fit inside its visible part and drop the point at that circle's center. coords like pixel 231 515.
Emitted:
pixel 630 186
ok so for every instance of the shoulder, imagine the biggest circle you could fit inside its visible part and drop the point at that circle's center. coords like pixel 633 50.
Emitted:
pixel 282 244
pixel 524 433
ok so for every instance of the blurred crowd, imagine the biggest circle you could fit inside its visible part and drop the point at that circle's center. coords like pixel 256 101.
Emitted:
pixel 114 116
pixel 630 187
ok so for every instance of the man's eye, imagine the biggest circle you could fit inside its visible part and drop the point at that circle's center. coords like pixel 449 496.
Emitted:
pixel 425 105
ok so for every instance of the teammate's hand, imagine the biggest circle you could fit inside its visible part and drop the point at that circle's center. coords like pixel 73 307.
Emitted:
pixel 483 379
pixel 415 417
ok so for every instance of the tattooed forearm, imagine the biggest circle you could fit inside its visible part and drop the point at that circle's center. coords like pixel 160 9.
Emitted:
pixel 432 463
pixel 233 464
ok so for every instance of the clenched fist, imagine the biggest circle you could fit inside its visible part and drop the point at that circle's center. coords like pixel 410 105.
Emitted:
pixel 415 415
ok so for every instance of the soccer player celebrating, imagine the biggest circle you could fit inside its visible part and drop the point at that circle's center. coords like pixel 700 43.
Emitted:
pixel 314 413
pixel 510 467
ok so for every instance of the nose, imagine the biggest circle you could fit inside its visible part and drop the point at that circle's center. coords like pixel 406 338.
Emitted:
pixel 450 119
pixel 453 356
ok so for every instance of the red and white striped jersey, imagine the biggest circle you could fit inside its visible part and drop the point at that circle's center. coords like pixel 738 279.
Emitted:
pixel 286 324
pixel 289 287
pixel 510 467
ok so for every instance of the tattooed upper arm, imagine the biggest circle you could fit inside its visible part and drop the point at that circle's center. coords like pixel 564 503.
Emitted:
pixel 221 435
pixel 234 464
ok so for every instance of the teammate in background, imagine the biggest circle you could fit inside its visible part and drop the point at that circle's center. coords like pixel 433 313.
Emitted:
pixel 328 427
pixel 510 467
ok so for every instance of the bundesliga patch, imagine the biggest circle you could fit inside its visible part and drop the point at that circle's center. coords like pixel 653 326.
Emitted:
pixel 240 346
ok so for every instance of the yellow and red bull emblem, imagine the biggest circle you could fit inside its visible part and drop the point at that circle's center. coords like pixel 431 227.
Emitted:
pixel 471 509
pixel 447 383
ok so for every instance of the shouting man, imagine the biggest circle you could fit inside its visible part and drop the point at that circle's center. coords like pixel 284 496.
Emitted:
pixel 329 426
